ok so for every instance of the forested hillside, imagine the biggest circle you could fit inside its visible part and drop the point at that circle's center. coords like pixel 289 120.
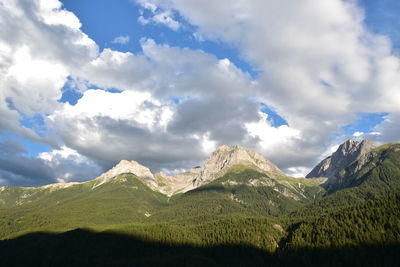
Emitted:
pixel 246 217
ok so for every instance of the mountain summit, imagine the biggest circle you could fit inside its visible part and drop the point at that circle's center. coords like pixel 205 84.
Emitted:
pixel 332 166
pixel 125 166
pixel 220 161
pixel 225 157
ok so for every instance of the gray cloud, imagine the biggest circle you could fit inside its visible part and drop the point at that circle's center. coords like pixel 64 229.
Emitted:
pixel 221 116
pixel 11 147
pixel 122 140
pixel 19 169
pixel 25 171
pixel 387 131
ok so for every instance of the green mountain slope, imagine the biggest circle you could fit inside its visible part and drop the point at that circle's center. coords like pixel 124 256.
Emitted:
pixel 126 199
pixel 278 219
pixel 361 235
pixel 367 178
pixel 372 222
pixel 379 174
pixel 242 191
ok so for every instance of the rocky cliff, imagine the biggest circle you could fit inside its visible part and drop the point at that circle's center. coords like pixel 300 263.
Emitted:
pixel 223 158
pixel 125 166
pixel 334 166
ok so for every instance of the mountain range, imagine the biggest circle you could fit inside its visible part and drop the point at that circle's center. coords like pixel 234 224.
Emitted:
pixel 349 199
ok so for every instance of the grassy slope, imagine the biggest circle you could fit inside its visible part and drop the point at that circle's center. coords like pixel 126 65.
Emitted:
pixel 380 176
pixel 124 200
pixel 127 200
pixel 242 191
pixel 230 210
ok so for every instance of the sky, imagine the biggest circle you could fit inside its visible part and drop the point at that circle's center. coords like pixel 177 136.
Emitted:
pixel 85 84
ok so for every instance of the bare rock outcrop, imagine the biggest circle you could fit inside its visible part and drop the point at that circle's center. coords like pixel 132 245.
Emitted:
pixel 225 157
pixel 333 167
pixel 179 183
pixel 125 166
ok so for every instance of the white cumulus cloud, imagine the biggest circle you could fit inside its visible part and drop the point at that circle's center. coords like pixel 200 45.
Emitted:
pixel 159 15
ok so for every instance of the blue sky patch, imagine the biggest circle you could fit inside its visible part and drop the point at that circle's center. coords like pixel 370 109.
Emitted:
pixel 34 149
pixel 365 122
pixel 273 117
pixel 35 122
pixel 383 17
pixel 70 96
pixel 324 83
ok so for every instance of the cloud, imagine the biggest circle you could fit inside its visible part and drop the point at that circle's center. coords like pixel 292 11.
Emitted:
pixel 158 15
pixel 357 134
pixel 121 40
pixel 51 13
pixel 11 146
pixel 40 46
pixel 143 122
pixel 277 143
pixel 319 64
pixel 297 171
pixel 68 165
pixel 214 105
pixel 61 165
pixel 387 131
pixel 136 107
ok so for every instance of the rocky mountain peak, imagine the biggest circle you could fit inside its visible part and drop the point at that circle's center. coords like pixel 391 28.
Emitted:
pixel 366 146
pixel 125 166
pixel 225 157
pixel 215 166
pixel 351 147
pixel 346 153
pixel 347 147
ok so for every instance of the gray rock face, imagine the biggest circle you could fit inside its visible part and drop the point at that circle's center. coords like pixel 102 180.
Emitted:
pixel 179 183
pixel 333 167
pixel 125 166
pixel 225 157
